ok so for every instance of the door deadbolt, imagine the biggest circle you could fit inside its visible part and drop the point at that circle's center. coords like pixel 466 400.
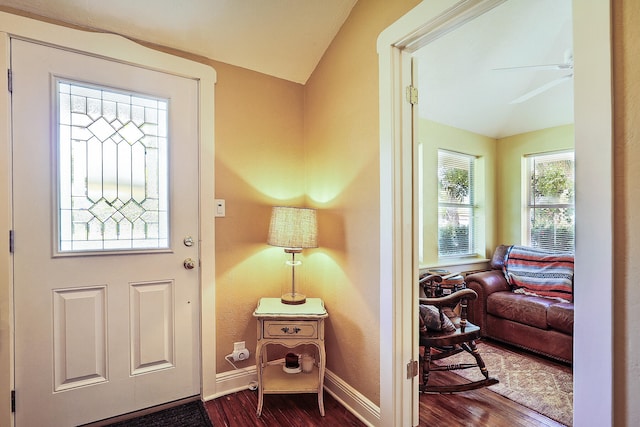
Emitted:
pixel 188 241
pixel 189 264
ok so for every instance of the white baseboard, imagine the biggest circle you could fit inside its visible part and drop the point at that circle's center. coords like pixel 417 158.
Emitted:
pixel 242 379
pixel 233 381
pixel 352 399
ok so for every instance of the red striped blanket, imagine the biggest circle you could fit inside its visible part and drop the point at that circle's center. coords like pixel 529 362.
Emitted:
pixel 540 272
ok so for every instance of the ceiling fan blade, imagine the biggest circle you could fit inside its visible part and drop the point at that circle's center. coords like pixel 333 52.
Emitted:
pixel 537 91
pixel 566 66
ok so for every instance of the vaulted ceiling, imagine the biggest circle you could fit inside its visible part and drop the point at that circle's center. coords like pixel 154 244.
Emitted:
pixel 287 38
pixel 282 38
pixel 461 85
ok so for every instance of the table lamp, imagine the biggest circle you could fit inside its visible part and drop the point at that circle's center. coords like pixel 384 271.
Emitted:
pixel 293 229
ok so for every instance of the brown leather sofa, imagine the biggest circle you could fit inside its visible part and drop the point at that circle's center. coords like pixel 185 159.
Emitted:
pixel 539 324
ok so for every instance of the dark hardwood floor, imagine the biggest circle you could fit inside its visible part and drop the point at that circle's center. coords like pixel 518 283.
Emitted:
pixel 279 410
pixel 468 409
pixel 472 408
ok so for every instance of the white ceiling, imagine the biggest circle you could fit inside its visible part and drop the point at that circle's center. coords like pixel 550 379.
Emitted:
pixel 460 87
pixel 287 38
pixel 282 38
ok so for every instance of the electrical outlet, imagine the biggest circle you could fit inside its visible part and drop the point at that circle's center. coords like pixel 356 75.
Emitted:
pixel 239 351
pixel 240 354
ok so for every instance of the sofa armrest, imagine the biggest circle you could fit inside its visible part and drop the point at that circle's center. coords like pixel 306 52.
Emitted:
pixel 484 283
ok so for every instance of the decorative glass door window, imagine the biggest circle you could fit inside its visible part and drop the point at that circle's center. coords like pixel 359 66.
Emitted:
pixel 112 170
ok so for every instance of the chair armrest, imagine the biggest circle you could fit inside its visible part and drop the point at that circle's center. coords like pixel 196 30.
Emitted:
pixel 484 283
pixel 451 299
pixel 445 306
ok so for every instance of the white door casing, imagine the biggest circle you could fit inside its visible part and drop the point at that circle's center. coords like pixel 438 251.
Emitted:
pixel 593 128
pixel 108 333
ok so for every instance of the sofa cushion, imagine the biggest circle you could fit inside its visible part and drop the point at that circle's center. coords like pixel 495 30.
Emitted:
pixel 499 257
pixel 560 317
pixel 549 342
pixel 525 309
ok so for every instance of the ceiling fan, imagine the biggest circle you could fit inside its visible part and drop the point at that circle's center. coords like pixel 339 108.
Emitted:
pixel 566 65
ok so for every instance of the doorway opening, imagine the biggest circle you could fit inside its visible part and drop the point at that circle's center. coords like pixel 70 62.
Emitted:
pixel 472 83
pixel 398 267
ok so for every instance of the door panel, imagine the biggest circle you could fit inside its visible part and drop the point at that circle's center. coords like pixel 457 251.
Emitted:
pixel 152 331
pixel 79 337
pixel 105 331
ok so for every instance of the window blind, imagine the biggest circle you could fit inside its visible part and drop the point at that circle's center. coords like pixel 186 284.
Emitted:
pixel 455 204
pixel 551 207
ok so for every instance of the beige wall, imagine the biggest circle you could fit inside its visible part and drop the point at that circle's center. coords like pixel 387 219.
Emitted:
pixel 511 151
pixel 259 163
pixel 343 172
pixel 338 122
pixel 261 125
pixel 626 52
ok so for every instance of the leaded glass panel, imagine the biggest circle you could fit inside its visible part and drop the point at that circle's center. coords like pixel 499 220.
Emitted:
pixel 112 170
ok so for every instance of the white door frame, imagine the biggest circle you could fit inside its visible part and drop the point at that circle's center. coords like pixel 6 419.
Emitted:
pixel 116 48
pixel 594 202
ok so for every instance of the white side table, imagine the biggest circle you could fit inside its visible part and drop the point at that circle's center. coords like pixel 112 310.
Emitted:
pixel 290 326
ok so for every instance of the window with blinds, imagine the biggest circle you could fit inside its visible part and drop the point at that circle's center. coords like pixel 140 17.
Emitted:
pixel 551 211
pixel 455 204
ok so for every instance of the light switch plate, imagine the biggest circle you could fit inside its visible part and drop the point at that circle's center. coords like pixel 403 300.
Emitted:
pixel 220 207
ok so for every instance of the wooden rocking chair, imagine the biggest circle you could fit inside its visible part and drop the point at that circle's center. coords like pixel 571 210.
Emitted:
pixel 454 335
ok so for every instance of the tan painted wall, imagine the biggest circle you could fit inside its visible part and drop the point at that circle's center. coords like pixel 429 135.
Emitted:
pixel 626 52
pixel 340 117
pixel 342 157
pixel 259 163
pixel 511 152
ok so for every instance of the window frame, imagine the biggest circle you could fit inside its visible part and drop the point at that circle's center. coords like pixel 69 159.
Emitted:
pixel 530 200
pixel 470 205
pixel 66 243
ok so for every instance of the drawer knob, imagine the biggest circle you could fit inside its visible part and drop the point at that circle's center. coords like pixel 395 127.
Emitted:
pixel 287 330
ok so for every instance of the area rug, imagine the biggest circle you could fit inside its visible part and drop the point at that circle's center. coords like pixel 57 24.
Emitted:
pixel 190 414
pixel 535 382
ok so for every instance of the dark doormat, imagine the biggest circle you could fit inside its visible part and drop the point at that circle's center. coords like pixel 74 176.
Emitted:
pixel 192 414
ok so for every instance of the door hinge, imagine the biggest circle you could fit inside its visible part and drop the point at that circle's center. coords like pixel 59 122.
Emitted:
pixel 412 369
pixel 13 401
pixel 10 80
pixel 11 241
pixel 412 95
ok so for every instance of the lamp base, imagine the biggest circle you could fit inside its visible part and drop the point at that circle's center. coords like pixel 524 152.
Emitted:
pixel 291 298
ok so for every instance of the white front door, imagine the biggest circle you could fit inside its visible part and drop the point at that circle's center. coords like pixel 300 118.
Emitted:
pixel 105 159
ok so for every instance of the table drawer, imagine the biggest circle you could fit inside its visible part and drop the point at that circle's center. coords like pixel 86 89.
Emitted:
pixel 290 329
